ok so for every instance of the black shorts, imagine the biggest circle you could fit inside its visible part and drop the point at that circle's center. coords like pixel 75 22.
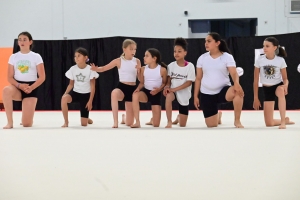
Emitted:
pixel 209 102
pixel 153 99
pixel 270 92
pixel 82 99
pixel 127 91
pixel 184 110
pixel 25 95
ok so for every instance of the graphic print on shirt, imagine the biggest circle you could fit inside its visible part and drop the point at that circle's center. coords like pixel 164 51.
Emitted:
pixel 23 66
pixel 177 76
pixel 269 71
pixel 80 78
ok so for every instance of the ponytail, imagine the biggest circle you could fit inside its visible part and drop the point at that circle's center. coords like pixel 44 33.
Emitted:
pixel 223 46
pixel 163 64
pixel 280 52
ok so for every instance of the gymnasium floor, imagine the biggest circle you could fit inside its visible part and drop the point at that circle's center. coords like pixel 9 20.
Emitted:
pixel 98 162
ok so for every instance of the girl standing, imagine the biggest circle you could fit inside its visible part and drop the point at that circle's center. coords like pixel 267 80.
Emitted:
pixel 213 69
pixel 271 68
pixel 25 74
pixel 153 78
pixel 181 74
pixel 82 81
pixel 128 68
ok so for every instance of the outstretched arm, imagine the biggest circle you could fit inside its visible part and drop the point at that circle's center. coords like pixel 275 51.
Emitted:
pixel 112 64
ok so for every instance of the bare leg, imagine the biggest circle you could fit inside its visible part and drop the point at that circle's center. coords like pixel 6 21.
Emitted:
pixel 182 120
pixel 9 94
pixel 116 96
pixel 281 105
pixel 28 108
pixel 84 121
pixel 237 104
pixel 136 99
pixel 220 117
pixel 66 98
pixel 156 112
pixel 90 121
pixel 129 114
pixel 169 98
pixel 176 121
pixel 123 119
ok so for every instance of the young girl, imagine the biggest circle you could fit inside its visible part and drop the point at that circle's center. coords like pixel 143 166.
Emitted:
pixel 128 67
pixel 25 74
pixel 82 81
pixel 271 67
pixel 153 78
pixel 181 74
pixel 213 69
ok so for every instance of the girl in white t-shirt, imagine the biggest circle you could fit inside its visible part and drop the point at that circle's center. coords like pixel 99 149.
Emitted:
pixel 128 68
pixel 181 74
pixel 153 78
pixel 25 74
pixel 213 69
pixel 82 81
pixel 271 68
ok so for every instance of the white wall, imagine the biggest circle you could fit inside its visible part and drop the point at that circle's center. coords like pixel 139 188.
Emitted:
pixel 74 19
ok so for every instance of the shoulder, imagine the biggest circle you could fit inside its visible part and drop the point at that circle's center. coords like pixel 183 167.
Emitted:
pixel 137 60
pixel 280 59
pixel 190 65
pixel 34 54
pixel 227 55
pixel 204 55
pixel 172 64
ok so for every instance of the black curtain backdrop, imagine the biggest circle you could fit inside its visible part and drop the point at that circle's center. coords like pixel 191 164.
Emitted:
pixel 58 58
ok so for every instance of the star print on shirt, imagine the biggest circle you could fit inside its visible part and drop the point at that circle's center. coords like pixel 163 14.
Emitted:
pixel 80 77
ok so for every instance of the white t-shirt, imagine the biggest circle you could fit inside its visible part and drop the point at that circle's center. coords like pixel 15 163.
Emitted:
pixel 25 65
pixel 180 75
pixel 215 72
pixel 81 78
pixel 270 73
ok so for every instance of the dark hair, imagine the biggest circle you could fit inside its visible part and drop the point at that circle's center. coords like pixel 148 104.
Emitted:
pixel 27 34
pixel 181 42
pixel 279 51
pixel 82 51
pixel 223 45
pixel 155 53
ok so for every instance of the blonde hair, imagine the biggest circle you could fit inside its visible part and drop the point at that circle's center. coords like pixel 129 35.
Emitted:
pixel 127 43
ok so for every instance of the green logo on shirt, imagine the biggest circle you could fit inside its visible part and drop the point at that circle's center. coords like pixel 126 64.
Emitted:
pixel 23 66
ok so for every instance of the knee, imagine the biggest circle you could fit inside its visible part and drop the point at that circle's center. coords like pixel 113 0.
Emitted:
pixel 155 124
pixel 64 99
pixel 182 125
pixel 83 124
pixel 6 90
pixel 212 125
pixel 169 97
pixel 26 124
pixel 135 96
pixel 114 94
pixel 269 124
pixel 280 92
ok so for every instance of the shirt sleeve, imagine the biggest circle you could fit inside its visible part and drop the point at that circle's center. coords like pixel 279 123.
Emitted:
pixel 39 59
pixel 230 61
pixel 11 60
pixel 283 64
pixel 191 73
pixel 94 75
pixel 69 74
pixel 256 64
pixel 169 69
pixel 200 62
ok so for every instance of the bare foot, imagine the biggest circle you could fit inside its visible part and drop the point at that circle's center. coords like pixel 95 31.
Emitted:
pixel 150 123
pixel 169 125
pixel 136 125
pixel 238 124
pixel 8 126
pixel 115 125
pixel 282 126
pixel 66 124
pixel 176 120
pixel 220 117
pixel 90 121
pixel 287 121
pixel 123 120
